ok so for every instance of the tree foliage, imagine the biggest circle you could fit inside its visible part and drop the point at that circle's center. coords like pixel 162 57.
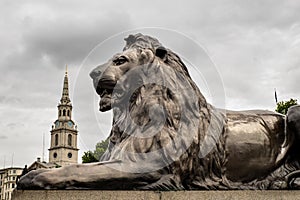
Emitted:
pixel 88 157
pixel 283 106
pixel 100 148
pixel 94 156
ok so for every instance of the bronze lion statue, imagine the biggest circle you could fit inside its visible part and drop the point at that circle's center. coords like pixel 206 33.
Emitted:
pixel 165 136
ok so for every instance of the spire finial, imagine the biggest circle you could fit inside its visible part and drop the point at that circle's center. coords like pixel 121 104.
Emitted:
pixel 65 92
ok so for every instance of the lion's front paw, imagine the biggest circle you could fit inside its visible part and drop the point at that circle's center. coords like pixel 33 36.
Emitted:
pixel 32 180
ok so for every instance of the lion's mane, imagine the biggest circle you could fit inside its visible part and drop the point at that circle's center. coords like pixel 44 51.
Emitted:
pixel 179 144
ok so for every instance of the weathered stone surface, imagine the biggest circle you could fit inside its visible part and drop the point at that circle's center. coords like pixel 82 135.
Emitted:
pixel 153 195
pixel 83 195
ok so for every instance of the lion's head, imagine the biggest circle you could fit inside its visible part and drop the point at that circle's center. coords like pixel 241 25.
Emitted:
pixel 141 52
pixel 159 114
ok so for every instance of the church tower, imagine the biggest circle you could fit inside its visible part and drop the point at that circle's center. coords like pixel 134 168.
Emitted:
pixel 63 147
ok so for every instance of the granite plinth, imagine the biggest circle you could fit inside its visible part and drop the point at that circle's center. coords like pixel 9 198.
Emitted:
pixel 153 195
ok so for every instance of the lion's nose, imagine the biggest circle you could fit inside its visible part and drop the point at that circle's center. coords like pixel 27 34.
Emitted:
pixel 95 73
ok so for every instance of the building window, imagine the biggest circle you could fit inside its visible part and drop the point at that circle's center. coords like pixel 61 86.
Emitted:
pixel 59 113
pixel 13 185
pixel 68 113
pixel 14 171
pixel 56 139
pixel 55 155
pixel 70 140
pixel 64 112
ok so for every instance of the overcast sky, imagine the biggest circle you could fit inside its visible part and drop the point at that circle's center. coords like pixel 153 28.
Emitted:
pixel 254 46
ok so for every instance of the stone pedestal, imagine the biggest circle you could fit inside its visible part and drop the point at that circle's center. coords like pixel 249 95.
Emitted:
pixel 153 195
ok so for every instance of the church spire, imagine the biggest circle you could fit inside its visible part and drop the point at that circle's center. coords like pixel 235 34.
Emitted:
pixel 65 93
pixel 63 147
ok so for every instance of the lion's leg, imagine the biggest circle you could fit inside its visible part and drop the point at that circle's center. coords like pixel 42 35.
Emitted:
pixel 293 129
pixel 293 121
pixel 87 176
pixel 291 177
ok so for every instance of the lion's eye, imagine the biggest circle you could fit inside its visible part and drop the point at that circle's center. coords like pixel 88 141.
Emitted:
pixel 120 60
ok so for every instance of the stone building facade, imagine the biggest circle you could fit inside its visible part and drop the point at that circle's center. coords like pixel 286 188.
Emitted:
pixel 8 181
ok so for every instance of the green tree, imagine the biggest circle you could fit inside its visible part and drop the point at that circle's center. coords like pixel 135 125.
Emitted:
pixel 283 106
pixel 88 157
pixel 94 156
pixel 101 148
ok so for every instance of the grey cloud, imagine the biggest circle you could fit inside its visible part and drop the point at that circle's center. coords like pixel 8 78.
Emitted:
pixel 14 125
pixel 62 42
pixel 70 41
pixel 3 137
pixel 9 100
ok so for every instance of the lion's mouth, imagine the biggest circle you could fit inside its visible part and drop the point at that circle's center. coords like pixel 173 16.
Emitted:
pixel 106 100
pixel 108 93
pixel 105 89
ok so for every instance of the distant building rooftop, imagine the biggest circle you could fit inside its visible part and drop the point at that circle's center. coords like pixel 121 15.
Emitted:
pixel 38 164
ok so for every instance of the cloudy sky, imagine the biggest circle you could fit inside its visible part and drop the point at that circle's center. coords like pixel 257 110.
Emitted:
pixel 253 47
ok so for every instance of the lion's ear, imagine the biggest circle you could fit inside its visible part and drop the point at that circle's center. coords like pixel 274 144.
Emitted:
pixel 161 52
